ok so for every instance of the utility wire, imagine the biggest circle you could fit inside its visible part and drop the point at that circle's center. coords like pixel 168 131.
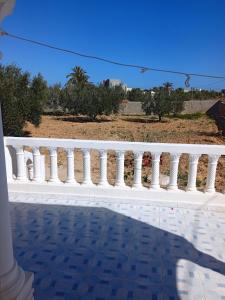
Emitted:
pixel 215 82
pixel 142 69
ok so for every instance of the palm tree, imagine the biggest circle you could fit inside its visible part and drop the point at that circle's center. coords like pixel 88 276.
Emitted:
pixel 168 86
pixel 78 77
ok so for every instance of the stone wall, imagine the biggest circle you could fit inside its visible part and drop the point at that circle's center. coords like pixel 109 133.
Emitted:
pixel 190 107
pixel 195 106
pixel 131 108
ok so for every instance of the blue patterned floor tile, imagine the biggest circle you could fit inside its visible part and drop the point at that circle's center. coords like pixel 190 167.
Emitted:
pixel 125 252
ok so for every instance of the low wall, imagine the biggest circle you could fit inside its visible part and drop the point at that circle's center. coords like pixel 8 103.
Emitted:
pixel 195 106
pixel 190 107
pixel 131 108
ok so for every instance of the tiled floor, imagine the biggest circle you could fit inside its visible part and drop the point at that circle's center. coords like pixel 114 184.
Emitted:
pixel 94 250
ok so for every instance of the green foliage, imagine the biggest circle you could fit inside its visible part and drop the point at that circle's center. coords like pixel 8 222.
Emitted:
pixel 21 99
pixel 164 101
pixel 54 97
pixel 113 98
pixel 92 100
pixel 202 95
pixel 135 95
pixel 78 77
pixel 158 104
pixel 38 95
pixel 168 86
pixel 81 97
pixel 177 101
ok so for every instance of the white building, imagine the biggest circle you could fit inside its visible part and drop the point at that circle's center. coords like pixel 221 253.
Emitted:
pixel 115 82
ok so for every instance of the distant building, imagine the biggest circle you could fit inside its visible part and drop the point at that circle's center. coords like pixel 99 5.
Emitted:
pixel 115 82
pixel 187 90
pixel 129 89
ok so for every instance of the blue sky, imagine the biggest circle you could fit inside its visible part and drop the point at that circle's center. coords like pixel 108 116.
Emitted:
pixel 183 35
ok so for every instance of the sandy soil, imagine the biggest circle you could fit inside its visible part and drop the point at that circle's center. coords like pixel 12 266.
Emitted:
pixel 133 128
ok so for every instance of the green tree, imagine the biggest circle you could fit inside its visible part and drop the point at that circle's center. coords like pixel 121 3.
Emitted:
pixel 38 95
pixel 109 99
pixel 158 104
pixel 177 98
pixel 54 97
pixel 78 77
pixel 135 95
pixel 92 100
pixel 168 85
pixel 21 99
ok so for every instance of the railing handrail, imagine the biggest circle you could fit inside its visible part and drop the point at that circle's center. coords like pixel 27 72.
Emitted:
pixel 116 145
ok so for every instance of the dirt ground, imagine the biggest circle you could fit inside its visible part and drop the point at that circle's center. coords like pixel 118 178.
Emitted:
pixel 197 129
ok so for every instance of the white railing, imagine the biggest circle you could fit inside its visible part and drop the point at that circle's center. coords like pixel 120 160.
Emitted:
pixel 155 149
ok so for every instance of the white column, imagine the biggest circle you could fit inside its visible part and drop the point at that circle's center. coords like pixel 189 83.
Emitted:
pixel 174 163
pixel 8 161
pixel 86 167
pixel 21 172
pixel 103 168
pixel 14 282
pixel 37 176
pixel 155 171
pixel 211 175
pixel 192 173
pixel 137 169
pixel 53 166
pixel 70 166
pixel 120 168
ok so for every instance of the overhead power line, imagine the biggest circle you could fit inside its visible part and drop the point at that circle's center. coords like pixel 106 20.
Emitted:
pixel 142 69
pixel 215 82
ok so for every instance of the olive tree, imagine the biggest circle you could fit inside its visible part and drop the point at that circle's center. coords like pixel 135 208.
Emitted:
pixel 21 99
pixel 158 103
pixel 91 100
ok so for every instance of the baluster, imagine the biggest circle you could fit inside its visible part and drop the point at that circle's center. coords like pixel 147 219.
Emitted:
pixel 192 174
pixel 21 172
pixel 174 163
pixel 8 162
pixel 86 167
pixel 70 166
pixel 211 175
pixel 120 168
pixel 103 168
pixel 53 165
pixel 155 171
pixel 137 169
pixel 37 176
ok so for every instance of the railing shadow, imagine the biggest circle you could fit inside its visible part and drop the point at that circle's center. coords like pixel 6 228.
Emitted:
pixel 96 253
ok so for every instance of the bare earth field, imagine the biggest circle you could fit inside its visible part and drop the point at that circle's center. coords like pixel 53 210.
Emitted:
pixel 133 128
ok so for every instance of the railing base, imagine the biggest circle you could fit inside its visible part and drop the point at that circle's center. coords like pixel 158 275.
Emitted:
pixel 16 284
pixel 162 197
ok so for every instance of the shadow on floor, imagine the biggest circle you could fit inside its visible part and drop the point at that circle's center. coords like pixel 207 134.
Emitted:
pixel 96 253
